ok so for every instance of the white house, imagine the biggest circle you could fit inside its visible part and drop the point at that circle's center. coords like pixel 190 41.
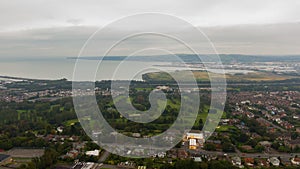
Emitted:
pixel 274 161
pixel 295 161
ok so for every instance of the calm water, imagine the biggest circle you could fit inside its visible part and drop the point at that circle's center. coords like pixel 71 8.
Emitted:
pixel 59 68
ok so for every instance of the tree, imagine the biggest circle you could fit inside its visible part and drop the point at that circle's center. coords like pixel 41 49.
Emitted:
pixel 214 164
pixel 259 148
pixel 294 135
pixel 243 138
pixel 209 147
pixel 186 164
pixel 227 147
pixel 5 144
pixel 91 146
pixel 200 124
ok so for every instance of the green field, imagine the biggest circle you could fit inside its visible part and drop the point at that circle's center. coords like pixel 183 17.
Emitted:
pixel 70 122
pixel 204 76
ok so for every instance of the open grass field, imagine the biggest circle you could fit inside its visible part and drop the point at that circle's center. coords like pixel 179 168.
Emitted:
pixel 25 153
pixel 70 122
pixel 203 76
pixel 225 128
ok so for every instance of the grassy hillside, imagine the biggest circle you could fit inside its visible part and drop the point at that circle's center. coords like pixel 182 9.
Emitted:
pixel 202 76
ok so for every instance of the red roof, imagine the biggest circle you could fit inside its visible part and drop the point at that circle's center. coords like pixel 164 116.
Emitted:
pixel 249 160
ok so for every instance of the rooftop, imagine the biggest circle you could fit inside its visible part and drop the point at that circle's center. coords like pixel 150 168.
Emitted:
pixel 3 157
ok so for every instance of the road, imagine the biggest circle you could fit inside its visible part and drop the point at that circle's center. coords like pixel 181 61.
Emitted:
pixel 104 156
pixel 272 124
pixel 250 155
pixel 220 153
pixel 109 166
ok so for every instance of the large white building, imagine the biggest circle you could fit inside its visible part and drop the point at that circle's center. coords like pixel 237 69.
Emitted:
pixel 194 136
pixel 193 144
pixel 93 153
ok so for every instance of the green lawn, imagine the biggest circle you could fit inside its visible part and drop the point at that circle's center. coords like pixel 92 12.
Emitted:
pixel 70 122
pixel 20 112
pixel 225 128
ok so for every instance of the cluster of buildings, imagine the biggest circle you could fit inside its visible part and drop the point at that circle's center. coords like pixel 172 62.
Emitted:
pixel 275 107
pixel 251 162
pixel 239 67
pixel 19 95
pixel 77 149
pixel 264 162
pixel 277 118
pixel 195 139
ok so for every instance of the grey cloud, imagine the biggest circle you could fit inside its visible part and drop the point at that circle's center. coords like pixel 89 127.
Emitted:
pixel 67 41
pixel 43 13
pixel 74 21
pixel 257 39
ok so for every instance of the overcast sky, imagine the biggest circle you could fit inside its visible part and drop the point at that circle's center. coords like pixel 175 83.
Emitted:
pixel 60 28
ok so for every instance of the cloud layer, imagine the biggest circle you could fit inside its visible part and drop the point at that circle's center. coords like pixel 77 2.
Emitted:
pixel 60 28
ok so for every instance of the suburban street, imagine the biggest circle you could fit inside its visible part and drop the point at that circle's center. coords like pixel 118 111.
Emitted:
pixel 250 155
pixel 104 156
